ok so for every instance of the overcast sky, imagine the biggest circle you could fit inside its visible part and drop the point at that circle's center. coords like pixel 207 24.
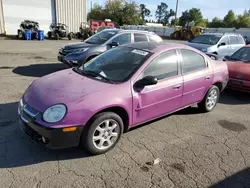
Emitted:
pixel 209 10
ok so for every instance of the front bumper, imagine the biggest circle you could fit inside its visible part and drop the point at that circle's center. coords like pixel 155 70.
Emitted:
pixel 239 85
pixel 54 138
pixel 70 63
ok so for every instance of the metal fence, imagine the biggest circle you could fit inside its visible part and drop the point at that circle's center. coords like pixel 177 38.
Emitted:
pixel 166 31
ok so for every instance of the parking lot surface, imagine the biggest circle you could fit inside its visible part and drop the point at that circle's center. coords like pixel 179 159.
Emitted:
pixel 190 149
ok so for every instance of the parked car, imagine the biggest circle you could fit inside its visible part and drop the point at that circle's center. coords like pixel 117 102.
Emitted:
pixel 93 104
pixel 221 44
pixel 101 28
pixel 239 69
pixel 81 52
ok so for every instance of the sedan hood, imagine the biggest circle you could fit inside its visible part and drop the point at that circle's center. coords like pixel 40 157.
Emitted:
pixel 78 45
pixel 239 70
pixel 198 46
pixel 61 87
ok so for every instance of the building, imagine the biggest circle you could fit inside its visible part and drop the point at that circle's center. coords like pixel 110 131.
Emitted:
pixel 45 12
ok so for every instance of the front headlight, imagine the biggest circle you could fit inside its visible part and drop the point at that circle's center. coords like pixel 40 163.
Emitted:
pixel 55 113
pixel 204 50
pixel 81 50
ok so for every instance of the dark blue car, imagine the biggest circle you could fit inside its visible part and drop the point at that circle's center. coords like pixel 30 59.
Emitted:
pixel 81 52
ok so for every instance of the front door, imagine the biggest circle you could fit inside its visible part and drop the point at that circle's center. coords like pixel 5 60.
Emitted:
pixel 164 97
pixel 197 77
pixel 223 50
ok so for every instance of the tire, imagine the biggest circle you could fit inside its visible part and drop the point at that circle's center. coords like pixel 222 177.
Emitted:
pixel 89 132
pixel 49 35
pixel 57 36
pixel 20 35
pixel 70 36
pixel 204 104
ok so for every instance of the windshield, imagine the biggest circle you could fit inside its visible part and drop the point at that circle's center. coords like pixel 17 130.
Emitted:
pixel 243 54
pixel 101 37
pixel 115 65
pixel 206 39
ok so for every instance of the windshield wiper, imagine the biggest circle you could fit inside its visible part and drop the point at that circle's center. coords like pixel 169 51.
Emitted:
pixel 96 74
pixel 78 71
pixel 89 42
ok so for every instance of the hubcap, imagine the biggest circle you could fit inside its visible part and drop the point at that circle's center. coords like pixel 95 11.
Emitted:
pixel 106 134
pixel 212 99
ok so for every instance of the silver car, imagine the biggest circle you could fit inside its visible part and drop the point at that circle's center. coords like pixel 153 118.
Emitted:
pixel 221 44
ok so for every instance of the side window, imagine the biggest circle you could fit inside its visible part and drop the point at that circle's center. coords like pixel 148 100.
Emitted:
pixel 233 40
pixel 123 38
pixel 154 38
pixel 224 40
pixel 163 66
pixel 140 37
pixel 192 61
pixel 240 40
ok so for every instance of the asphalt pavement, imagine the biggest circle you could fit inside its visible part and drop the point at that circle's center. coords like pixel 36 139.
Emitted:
pixel 190 149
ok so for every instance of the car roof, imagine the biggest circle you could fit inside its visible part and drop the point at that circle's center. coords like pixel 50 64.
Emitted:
pixel 133 31
pixel 222 34
pixel 156 46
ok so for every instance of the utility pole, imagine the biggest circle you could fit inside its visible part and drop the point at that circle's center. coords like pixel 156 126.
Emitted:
pixel 176 9
pixel 91 5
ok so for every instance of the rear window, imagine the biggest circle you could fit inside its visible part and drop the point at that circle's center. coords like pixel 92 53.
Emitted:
pixel 240 40
pixel 154 38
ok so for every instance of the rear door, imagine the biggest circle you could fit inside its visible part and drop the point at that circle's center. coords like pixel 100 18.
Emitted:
pixel 197 76
pixel 234 44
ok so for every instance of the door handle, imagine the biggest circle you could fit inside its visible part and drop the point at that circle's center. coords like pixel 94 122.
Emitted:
pixel 207 77
pixel 177 86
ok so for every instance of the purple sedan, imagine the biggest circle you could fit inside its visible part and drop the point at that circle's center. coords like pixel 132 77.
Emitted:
pixel 93 104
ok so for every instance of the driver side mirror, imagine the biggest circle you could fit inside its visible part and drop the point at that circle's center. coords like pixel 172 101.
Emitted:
pixel 112 44
pixel 222 44
pixel 146 81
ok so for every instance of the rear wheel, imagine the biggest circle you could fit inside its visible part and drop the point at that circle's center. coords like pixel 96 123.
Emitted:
pixel 102 133
pixel 210 100
pixel 57 36
pixel 49 35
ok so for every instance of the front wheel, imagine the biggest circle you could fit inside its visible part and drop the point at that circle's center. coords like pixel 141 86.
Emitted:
pixel 210 100
pixel 102 133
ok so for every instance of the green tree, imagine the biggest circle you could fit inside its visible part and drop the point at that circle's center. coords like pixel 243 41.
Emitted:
pixel 162 14
pixel 243 21
pixel 194 15
pixel 97 12
pixel 144 11
pixel 216 23
pixel 230 19
pixel 119 11
pixel 173 21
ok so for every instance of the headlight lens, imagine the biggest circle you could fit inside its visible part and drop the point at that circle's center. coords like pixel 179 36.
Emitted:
pixel 204 50
pixel 55 113
pixel 81 50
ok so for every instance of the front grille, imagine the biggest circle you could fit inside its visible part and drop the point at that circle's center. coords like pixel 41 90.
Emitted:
pixel 64 52
pixel 30 111
pixel 27 113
